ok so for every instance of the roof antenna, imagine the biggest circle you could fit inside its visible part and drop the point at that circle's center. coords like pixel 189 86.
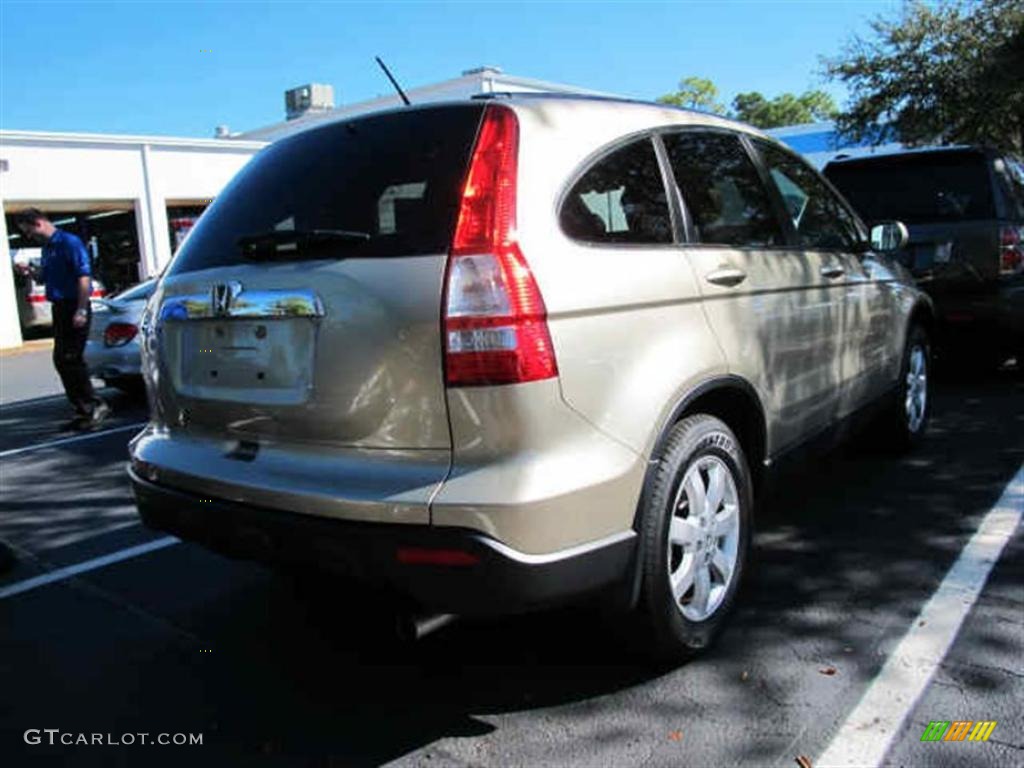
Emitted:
pixel 393 81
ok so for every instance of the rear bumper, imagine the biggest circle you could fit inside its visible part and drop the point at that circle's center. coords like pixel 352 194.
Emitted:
pixel 495 579
pixel 994 318
pixel 1011 312
pixel 113 362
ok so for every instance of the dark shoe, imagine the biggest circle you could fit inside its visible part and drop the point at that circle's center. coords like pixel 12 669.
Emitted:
pixel 98 415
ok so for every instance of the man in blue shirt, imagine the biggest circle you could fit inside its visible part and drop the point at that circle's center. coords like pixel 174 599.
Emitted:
pixel 66 272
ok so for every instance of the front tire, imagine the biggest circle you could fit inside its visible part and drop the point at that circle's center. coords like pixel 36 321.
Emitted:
pixel 907 419
pixel 695 537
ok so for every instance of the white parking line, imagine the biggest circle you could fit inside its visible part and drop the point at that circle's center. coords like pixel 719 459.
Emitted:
pixel 18 404
pixel 12 405
pixel 89 565
pixel 868 732
pixel 74 439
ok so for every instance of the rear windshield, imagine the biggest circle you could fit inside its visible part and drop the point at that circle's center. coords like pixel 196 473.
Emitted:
pixel 395 177
pixel 917 188
pixel 140 292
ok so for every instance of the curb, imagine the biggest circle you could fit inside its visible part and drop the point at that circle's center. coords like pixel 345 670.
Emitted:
pixel 35 345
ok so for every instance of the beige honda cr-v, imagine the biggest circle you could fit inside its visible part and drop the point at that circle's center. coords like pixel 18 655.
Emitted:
pixel 507 352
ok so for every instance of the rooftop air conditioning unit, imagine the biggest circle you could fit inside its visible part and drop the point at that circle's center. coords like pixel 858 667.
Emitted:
pixel 314 97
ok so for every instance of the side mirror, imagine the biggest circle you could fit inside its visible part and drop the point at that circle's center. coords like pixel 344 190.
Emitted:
pixel 889 236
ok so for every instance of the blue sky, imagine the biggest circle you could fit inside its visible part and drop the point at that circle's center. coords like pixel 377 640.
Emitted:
pixel 182 68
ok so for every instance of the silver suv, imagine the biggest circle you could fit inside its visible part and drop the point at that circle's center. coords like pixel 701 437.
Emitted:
pixel 507 352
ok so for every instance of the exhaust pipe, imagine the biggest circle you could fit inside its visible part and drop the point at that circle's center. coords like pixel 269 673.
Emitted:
pixel 412 627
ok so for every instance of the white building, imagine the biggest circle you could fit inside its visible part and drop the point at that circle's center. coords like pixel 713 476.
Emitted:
pixel 108 179
pixel 129 189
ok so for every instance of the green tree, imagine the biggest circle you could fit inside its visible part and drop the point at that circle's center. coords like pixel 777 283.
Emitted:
pixel 785 109
pixel 947 73
pixel 695 93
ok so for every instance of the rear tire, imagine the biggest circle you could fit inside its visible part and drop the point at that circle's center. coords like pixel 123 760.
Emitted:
pixel 695 537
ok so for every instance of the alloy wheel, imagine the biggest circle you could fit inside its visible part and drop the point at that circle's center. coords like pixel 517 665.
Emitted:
pixel 916 402
pixel 703 538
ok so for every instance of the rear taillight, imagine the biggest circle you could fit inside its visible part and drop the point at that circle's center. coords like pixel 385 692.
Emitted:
pixel 119 334
pixel 1011 250
pixel 97 293
pixel 495 322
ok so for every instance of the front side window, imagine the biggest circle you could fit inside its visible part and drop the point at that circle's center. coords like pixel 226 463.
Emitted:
pixel 723 192
pixel 818 215
pixel 621 199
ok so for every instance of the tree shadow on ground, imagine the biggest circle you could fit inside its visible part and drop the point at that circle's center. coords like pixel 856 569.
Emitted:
pixel 847 549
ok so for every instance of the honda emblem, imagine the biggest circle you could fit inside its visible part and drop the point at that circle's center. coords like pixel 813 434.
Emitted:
pixel 222 296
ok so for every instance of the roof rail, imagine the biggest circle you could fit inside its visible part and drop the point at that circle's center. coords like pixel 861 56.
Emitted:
pixel 590 97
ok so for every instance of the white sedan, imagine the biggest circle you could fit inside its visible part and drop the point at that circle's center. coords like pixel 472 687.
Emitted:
pixel 112 351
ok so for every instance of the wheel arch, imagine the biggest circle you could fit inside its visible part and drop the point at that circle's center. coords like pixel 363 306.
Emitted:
pixel 921 313
pixel 729 398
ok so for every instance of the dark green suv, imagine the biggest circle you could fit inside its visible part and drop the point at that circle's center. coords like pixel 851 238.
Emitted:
pixel 964 208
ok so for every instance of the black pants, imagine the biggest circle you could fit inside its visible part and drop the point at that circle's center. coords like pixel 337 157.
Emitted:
pixel 68 346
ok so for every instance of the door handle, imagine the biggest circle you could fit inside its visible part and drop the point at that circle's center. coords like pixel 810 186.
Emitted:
pixel 727 276
pixel 832 272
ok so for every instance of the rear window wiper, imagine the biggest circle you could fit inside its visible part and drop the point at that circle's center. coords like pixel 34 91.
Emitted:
pixel 265 244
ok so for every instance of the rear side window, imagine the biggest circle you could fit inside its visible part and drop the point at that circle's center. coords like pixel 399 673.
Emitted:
pixel 1011 171
pixel 723 191
pixel 395 177
pixel 917 188
pixel 818 215
pixel 621 199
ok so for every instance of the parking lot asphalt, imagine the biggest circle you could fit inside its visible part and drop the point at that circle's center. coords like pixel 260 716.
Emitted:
pixel 275 670
pixel 27 372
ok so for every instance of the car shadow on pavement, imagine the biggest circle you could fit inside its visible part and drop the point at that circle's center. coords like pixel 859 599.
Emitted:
pixel 56 493
pixel 33 422
pixel 845 553
pixel 850 548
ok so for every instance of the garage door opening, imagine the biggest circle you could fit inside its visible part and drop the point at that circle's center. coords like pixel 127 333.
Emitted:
pixel 182 216
pixel 108 230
